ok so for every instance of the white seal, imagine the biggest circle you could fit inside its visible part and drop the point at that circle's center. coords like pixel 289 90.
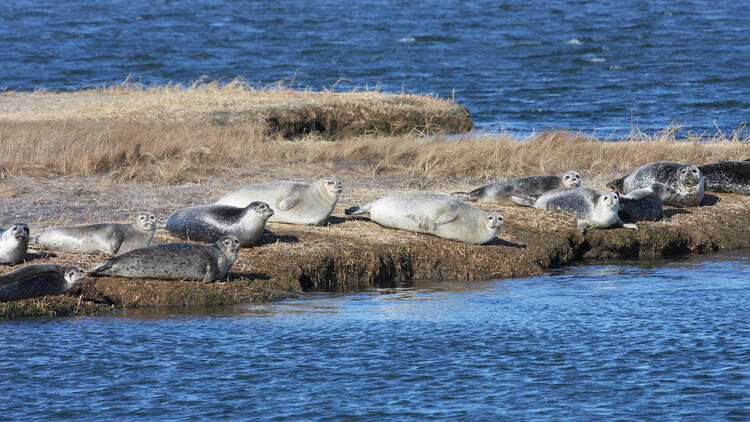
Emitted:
pixel 109 238
pixel 439 215
pixel 13 244
pixel 292 202
pixel 592 209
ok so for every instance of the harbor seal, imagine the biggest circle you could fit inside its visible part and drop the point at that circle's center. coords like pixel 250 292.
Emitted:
pixel 109 238
pixel 592 209
pixel 727 176
pixel 14 242
pixel 209 223
pixel 686 179
pixel 292 202
pixel 440 215
pixel 645 204
pixel 37 280
pixel 173 261
pixel 532 186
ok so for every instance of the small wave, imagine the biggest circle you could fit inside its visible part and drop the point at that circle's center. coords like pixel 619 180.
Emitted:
pixel 574 41
pixel 406 40
pixel 594 59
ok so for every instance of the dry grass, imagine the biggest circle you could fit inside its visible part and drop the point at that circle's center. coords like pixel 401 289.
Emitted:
pixel 171 152
pixel 276 109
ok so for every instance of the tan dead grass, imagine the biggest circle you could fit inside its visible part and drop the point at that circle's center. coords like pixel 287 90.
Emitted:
pixel 172 152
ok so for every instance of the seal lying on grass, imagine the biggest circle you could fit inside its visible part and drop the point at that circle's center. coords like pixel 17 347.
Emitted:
pixel 13 244
pixel 645 204
pixel 592 208
pixel 686 179
pixel 208 223
pixel 174 261
pixel 109 238
pixel 39 280
pixel 440 215
pixel 292 202
pixel 531 186
pixel 727 176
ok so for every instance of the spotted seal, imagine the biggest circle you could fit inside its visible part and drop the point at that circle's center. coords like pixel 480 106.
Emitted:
pixel 440 215
pixel 686 179
pixel 109 238
pixel 173 261
pixel 37 280
pixel 209 223
pixel 14 241
pixel 645 204
pixel 592 208
pixel 727 176
pixel 292 202
pixel 531 186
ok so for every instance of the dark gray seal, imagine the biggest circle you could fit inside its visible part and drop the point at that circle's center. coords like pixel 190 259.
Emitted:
pixel 38 280
pixel 109 238
pixel 727 176
pixel 645 204
pixel 531 186
pixel 685 179
pixel 14 242
pixel 589 206
pixel 174 261
pixel 209 223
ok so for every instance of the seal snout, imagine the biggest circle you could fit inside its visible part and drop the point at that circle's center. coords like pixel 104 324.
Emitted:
pixel 20 231
pixel 495 221
pixel 75 274
pixel 230 243
pixel 147 220
pixel 334 185
pixel 611 200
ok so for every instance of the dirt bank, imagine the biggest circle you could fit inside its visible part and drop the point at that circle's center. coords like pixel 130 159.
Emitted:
pixel 348 254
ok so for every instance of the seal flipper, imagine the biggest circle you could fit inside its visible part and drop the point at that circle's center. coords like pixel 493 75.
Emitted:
pixel 444 218
pixel 357 210
pixel 523 200
pixel 288 203
pixel 619 222
pixel 617 184
pixel 472 196
pixel 118 238
pixel 102 266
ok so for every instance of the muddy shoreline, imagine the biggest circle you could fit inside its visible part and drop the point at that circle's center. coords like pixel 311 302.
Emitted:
pixel 349 253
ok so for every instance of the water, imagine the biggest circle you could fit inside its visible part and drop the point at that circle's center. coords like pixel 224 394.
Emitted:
pixel 625 340
pixel 597 66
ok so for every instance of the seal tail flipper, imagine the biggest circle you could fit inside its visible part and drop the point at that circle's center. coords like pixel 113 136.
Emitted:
pixel 357 210
pixel 524 201
pixel 472 196
pixel 97 269
pixel 464 196
pixel 160 225
pixel 616 184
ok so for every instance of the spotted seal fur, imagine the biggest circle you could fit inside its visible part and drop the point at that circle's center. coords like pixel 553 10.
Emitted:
pixel 531 186
pixel 173 261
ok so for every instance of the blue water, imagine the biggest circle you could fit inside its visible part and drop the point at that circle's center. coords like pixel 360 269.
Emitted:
pixel 594 66
pixel 626 340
